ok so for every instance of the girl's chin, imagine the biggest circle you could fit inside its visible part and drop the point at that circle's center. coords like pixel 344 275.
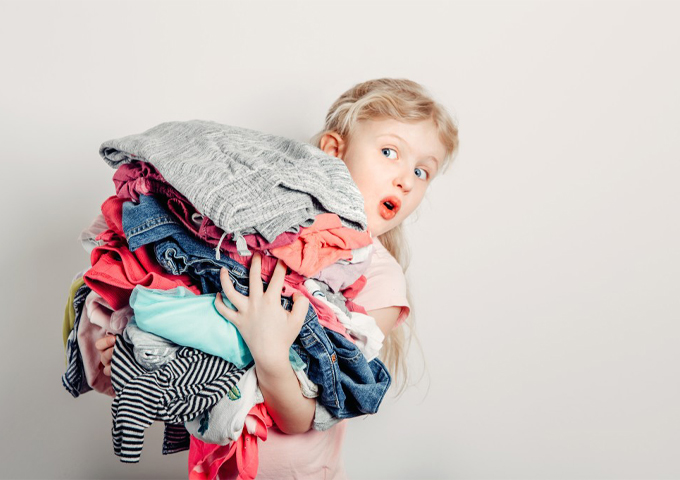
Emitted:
pixel 379 226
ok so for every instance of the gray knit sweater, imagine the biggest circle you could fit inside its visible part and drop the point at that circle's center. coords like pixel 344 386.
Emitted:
pixel 244 180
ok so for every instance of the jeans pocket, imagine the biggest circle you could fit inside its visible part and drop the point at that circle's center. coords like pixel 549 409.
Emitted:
pixel 171 260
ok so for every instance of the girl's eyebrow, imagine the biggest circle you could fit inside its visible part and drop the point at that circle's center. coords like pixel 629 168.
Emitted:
pixel 393 135
pixel 429 157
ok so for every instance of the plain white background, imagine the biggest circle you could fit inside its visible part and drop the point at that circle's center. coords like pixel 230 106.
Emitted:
pixel 545 271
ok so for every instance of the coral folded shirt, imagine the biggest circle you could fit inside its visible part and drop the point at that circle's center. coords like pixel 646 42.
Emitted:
pixel 321 244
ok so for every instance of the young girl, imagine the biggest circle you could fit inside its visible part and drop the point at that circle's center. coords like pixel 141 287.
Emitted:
pixel 395 139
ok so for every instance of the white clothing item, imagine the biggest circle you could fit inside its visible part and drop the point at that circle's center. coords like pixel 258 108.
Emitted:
pixel 224 422
pixel 362 328
pixel 151 351
pixel 250 425
pixel 103 315
pixel 323 420
pixel 88 236
pixel 308 388
pixel 360 255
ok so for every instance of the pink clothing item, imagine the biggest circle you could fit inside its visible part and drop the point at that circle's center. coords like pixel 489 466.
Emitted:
pixel 96 321
pixel 88 237
pixel 311 455
pixel 340 276
pixel 385 284
pixel 238 459
pixel 321 244
pixel 141 178
pixel 116 270
pixel 294 283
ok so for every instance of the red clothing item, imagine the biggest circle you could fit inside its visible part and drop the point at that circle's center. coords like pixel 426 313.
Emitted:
pixel 112 209
pixel 353 290
pixel 141 178
pixel 321 244
pixel 207 460
pixel 116 270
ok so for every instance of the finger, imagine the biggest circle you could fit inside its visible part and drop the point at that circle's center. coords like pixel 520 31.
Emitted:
pixel 300 308
pixel 224 310
pixel 239 300
pixel 107 370
pixel 256 276
pixel 106 356
pixel 105 342
pixel 278 277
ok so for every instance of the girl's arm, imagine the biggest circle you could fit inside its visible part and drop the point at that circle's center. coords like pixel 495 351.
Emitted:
pixel 269 331
pixel 291 411
pixel 386 318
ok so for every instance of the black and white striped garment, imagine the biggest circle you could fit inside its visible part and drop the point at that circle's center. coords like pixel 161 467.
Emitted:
pixel 73 379
pixel 175 438
pixel 175 393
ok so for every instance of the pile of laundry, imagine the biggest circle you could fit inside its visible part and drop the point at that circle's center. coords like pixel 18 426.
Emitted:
pixel 192 198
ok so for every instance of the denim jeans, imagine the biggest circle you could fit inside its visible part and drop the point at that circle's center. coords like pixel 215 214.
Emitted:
pixel 349 385
pixel 177 251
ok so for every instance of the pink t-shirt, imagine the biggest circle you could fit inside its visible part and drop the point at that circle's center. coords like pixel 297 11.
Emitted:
pixel 315 455
pixel 385 284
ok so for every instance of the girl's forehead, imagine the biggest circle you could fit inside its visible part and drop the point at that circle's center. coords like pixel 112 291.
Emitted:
pixel 388 124
pixel 421 136
pixel 404 131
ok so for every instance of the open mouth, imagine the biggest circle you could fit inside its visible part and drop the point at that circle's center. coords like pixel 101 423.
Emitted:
pixel 389 207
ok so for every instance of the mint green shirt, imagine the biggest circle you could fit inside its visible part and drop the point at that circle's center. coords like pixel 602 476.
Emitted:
pixel 190 320
pixel 193 321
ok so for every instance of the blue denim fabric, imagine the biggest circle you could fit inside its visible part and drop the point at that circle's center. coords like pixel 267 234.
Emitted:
pixel 349 385
pixel 177 250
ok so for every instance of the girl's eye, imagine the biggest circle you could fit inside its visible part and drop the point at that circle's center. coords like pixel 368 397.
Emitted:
pixel 386 151
pixel 420 173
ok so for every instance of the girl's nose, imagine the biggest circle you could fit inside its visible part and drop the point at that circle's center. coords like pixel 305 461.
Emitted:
pixel 405 180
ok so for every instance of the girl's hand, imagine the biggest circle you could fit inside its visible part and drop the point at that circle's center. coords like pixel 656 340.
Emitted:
pixel 267 328
pixel 105 347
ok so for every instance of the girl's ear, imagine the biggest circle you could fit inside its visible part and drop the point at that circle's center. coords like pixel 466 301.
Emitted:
pixel 333 144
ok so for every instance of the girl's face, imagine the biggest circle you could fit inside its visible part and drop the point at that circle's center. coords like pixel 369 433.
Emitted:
pixel 392 163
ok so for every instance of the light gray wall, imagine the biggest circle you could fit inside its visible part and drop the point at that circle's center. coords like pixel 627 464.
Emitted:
pixel 545 263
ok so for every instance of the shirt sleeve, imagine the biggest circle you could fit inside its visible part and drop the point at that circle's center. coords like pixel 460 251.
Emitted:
pixel 385 284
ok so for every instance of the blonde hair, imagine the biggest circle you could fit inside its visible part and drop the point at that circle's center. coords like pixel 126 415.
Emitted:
pixel 407 101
